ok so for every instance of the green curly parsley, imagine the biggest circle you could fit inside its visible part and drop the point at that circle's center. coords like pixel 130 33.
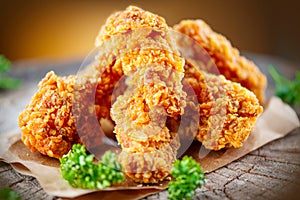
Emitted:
pixel 7 193
pixel 287 90
pixel 7 82
pixel 188 176
pixel 79 169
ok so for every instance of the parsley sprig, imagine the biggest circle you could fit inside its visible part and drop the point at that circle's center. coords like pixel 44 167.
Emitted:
pixel 188 177
pixel 287 90
pixel 79 169
pixel 5 81
pixel 7 193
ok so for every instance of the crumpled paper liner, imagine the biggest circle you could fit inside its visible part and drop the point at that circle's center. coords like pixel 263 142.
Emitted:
pixel 277 120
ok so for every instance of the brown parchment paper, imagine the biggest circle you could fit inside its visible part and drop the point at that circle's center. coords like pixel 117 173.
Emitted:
pixel 277 120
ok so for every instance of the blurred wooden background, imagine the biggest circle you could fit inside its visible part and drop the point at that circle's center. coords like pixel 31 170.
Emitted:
pixel 61 29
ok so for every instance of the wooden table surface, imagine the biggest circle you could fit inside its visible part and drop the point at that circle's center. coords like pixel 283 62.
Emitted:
pixel 271 172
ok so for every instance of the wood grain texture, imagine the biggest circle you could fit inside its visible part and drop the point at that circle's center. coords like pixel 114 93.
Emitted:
pixel 271 172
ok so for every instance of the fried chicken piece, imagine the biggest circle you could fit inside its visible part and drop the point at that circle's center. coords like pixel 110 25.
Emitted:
pixel 140 115
pixel 228 111
pixel 140 42
pixel 118 53
pixel 107 71
pixel 227 58
pixel 47 123
pixel 148 147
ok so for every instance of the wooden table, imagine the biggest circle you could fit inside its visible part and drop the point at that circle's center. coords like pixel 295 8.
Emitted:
pixel 271 172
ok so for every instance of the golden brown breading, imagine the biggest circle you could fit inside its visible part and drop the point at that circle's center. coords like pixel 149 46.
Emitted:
pixel 47 123
pixel 228 111
pixel 140 115
pixel 158 73
pixel 154 72
pixel 151 166
pixel 227 58
pixel 130 19
pixel 122 52
pixel 149 148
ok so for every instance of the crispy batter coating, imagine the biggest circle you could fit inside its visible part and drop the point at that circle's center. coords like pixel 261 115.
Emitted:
pixel 154 72
pixel 228 111
pixel 47 123
pixel 122 52
pixel 140 115
pixel 150 166
pixel 227 58
pixel 149 148
pixel 160 78
pixel 130 19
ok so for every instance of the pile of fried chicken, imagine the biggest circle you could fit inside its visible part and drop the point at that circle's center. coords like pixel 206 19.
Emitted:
pixel 140 46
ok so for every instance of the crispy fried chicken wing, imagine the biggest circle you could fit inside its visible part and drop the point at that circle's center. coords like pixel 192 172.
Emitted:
pixel 47 123
pixel 227 58
pixel 154 72
pixel 228 111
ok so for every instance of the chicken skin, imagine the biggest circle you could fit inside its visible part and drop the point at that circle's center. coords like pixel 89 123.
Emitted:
pixel 230 63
